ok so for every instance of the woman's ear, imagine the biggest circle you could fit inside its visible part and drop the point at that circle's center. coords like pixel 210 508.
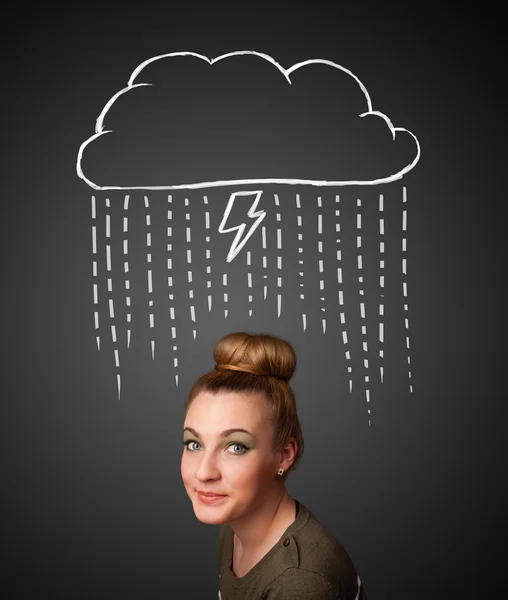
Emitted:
pixel 288 454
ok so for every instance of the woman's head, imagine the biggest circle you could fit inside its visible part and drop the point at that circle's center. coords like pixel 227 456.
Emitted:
pixel 249 389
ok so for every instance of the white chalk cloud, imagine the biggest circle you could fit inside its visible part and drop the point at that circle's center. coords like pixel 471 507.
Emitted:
pixel 187 121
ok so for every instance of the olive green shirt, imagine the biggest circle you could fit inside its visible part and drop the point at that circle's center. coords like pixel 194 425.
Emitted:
pixel 307 563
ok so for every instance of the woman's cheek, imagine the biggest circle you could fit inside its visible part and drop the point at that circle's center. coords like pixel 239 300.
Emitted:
pixel 186 469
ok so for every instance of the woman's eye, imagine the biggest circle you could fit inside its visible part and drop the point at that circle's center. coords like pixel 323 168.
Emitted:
pixel 241 446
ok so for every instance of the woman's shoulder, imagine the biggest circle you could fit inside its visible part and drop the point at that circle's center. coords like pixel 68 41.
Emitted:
pixel 317 542
pixel 299 584
pixel 321 557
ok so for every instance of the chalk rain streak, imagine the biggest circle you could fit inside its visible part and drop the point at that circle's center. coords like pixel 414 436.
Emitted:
pixel 269 277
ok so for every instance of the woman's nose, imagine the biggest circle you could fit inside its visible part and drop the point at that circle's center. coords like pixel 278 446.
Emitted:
pixel 207 467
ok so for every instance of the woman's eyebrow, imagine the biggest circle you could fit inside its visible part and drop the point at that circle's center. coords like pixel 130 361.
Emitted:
pixel 224 433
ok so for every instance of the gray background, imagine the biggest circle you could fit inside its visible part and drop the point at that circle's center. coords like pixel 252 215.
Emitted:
pixel 95 507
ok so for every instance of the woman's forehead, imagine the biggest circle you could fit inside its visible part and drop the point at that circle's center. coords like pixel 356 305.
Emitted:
pixel 213 413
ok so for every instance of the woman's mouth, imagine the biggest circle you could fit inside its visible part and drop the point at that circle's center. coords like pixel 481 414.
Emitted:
pixel 208 498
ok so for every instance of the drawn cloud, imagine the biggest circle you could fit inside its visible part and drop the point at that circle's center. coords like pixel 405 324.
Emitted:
pixel 188 121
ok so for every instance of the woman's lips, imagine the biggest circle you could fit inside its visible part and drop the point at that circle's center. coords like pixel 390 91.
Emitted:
pixel 207 498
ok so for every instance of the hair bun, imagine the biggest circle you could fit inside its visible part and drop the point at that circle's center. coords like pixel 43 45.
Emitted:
pixel 261 354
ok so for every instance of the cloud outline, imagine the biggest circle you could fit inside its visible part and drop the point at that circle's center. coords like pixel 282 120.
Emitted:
pixel 100 131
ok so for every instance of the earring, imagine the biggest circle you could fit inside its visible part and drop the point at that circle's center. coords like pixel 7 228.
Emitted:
pixel 280 471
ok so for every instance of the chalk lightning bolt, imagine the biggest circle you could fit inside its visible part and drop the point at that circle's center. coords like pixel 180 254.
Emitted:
pixel 259 215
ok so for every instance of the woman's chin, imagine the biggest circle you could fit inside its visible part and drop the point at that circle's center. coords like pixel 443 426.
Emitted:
pixel 207 516
pixel 208 513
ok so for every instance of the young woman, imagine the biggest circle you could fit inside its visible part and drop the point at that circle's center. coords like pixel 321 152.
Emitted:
pixel 242 438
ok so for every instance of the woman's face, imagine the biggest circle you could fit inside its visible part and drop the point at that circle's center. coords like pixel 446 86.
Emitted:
pixel 241 466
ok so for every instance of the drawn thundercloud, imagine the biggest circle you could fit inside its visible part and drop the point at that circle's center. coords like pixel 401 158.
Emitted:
pixel 188 122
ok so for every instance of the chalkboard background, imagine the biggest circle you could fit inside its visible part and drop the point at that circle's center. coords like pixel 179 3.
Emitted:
pixel 95 506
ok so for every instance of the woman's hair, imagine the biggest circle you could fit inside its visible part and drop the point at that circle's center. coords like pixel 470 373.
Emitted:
pixel 257 363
